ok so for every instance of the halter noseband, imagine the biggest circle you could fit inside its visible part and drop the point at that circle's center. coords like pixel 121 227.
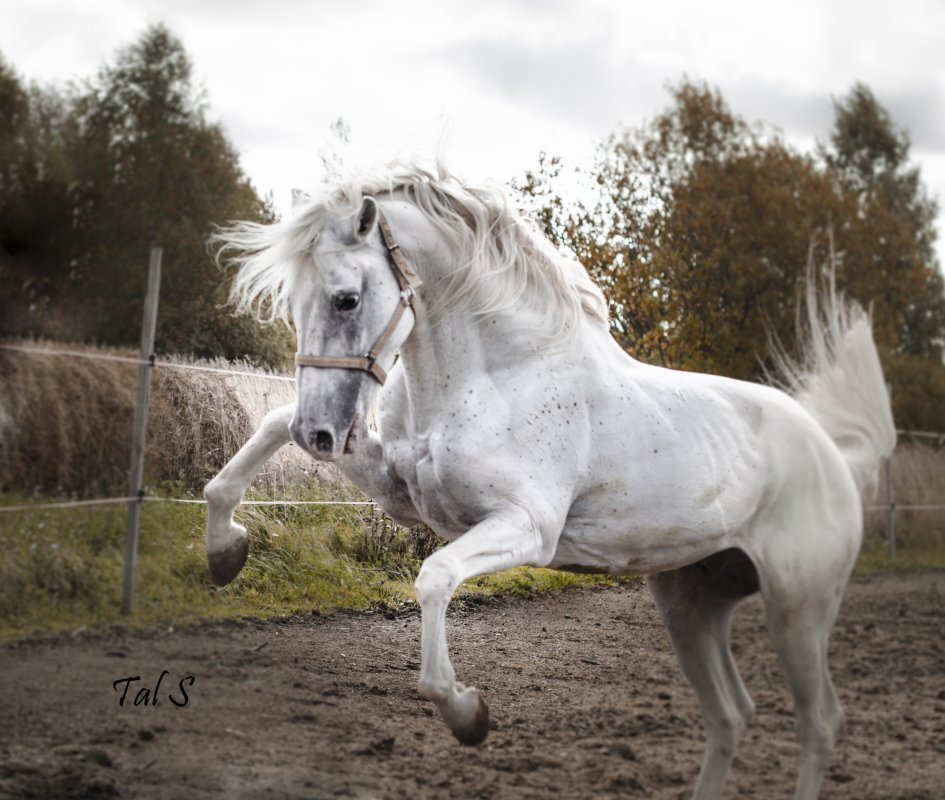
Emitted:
pixel 409 282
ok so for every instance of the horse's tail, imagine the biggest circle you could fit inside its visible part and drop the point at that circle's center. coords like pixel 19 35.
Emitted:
pixel 838 378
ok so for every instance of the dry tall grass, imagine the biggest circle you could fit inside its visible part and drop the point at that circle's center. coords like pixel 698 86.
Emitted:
pixel 918 480
pixel 65 425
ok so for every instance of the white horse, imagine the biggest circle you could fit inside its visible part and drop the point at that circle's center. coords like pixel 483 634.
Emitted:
pixel 516 428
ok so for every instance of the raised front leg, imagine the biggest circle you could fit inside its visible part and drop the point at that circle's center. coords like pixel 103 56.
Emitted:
pixel 227 542
pixel 500 542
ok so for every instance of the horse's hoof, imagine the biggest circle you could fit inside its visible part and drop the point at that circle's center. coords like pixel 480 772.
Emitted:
pixel 226 564
pixel 475 732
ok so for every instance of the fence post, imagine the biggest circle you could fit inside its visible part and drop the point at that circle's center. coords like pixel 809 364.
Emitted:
pixel 891 501
pixel 140 429
pixel 890 497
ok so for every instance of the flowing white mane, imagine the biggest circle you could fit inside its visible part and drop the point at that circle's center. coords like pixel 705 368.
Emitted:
pixel 501 261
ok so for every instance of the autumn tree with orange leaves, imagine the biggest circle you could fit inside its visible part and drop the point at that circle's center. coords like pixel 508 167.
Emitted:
pixel 702 227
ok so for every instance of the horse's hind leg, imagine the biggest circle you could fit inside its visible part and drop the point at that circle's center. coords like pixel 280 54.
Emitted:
pixel 696 604
pixel 799 623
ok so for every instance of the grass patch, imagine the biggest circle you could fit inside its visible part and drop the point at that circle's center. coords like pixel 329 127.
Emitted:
pixel 920 544
pixel 62 568
pixel 529 581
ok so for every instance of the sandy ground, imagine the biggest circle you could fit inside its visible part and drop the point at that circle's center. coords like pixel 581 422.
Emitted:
pixel 586 698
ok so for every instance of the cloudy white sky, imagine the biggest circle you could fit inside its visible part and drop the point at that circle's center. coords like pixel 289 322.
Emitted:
pixel 502 80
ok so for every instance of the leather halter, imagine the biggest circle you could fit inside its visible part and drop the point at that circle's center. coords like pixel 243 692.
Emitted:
pixel 409 282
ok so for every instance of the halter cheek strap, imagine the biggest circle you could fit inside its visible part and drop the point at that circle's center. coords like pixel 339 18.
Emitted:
pixel 409 282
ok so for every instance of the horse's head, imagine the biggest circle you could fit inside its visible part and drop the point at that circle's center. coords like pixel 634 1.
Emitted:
pixel 349 307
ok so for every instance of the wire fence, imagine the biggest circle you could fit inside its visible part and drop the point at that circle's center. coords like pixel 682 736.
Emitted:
pixel 153 361
pixel 890 506
pixel 148 498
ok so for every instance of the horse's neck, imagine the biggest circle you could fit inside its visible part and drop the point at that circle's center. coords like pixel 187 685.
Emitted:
pixel 437 350
pixel 446 358
pixel 448 350
pixel 438 358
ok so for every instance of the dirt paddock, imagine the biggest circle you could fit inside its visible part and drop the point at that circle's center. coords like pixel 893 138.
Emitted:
pixel 586 698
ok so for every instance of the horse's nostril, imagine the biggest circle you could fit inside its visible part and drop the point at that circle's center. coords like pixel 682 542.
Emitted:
pixel 323 441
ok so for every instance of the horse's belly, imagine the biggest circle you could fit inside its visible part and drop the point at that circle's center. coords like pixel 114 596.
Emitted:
pixel 634 551
pixel 602 535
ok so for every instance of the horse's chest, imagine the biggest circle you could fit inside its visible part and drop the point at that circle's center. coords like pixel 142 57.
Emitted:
pixel 441 486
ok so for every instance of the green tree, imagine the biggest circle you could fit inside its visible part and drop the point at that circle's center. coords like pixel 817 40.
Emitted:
pixel 155 171
pixel 35 177
pixel 14 109
pixel 870 156
pixel 144 166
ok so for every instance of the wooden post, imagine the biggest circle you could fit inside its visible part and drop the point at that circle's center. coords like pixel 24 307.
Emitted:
pixel 890 497
pixel 140 429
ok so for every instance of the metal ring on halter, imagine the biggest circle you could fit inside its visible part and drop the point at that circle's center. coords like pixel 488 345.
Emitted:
pixel 409 282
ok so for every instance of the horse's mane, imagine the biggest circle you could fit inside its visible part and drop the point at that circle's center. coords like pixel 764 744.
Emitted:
pixel 502 261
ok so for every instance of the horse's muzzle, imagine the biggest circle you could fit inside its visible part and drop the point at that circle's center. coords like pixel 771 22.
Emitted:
pixel 321 442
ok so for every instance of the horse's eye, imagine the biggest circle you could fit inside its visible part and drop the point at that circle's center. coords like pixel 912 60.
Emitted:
pixel 346 301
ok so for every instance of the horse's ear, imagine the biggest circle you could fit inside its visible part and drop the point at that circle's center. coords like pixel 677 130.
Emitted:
pixel 299 198
pixel 367 217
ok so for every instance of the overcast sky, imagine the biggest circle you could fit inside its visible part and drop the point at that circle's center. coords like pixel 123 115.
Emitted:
pixel 501 81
